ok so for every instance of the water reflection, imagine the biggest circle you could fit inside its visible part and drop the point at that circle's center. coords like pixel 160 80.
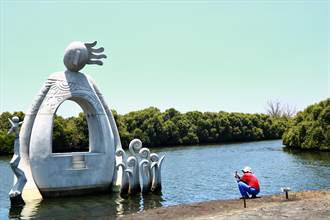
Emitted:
pixel 309 155
pixel 86 207
pixel 312 168
pixel 15 212
pixel 130 204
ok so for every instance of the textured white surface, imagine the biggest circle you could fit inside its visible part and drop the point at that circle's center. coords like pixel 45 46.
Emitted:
pixel 50 171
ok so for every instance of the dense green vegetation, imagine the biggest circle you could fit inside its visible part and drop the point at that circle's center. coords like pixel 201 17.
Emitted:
pixel 156 128
pixel 310 129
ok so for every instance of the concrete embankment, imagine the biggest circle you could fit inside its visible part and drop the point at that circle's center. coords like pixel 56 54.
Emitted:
pixel 314 204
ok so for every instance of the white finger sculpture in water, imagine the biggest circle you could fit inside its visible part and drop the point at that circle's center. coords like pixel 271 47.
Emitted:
pixel 56 174
pixel 124 185
pixel 133 175
pixel 144 153
pixel 15 193
pixel 145 169
pixel 134 147
pixel 156 167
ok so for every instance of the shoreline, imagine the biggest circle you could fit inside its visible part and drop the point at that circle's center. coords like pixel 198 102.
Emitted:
pixel 311 204
pixel 157 148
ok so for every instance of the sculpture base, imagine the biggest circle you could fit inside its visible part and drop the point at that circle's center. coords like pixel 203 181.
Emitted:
pixel 17 200
pixel 74 191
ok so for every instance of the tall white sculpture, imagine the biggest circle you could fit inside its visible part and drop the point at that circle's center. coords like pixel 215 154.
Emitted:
pixel 146 178
pixel 145 169
pixel 121 167
pixel 133 174
pixel 58 174
pixel 15 193
pixel 133 166
pixel 156 167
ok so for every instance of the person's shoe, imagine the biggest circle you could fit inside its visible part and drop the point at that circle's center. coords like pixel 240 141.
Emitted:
pixel 255 197
pixel 245 197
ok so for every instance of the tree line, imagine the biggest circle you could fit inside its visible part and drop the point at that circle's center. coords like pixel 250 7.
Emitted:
pixel 310 129
pixel 156 128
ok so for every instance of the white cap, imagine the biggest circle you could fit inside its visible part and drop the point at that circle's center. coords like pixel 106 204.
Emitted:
pixel 247 169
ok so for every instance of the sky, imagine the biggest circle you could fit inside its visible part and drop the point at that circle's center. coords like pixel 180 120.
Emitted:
pixel 214 56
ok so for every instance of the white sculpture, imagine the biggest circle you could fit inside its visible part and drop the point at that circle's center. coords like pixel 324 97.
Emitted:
pixel 55 173
pixel 133 174
pixel 144 153
pixel 15 193
pixel 156 167
pixel 124 175
pixel 143 169
pixel 134 146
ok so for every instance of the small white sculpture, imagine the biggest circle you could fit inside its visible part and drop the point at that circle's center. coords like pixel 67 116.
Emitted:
pixel 144 153
pixel 156 167
pixel 145 169
pixel 134 146
pixel 15 193
pixel 133 175
pixel 124 175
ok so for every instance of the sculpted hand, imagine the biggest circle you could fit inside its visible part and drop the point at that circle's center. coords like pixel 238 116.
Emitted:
pixel 94 55
pixel 14 122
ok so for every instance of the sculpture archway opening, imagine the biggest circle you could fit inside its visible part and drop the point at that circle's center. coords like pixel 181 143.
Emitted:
pixel 70 134
pixel 69 109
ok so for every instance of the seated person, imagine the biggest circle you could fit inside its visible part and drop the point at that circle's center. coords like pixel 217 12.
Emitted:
pixel 248 184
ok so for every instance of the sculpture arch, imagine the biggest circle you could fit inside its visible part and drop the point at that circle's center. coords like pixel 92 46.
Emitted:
pixel 59 172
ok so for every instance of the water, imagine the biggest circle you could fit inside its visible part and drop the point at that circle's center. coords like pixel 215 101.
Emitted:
pixel 189 174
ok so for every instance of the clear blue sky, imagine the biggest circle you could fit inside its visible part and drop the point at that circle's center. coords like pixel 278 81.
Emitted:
pixel 190 55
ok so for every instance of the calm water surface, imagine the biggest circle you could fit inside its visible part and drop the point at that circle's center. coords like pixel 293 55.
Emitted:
pixel 189 174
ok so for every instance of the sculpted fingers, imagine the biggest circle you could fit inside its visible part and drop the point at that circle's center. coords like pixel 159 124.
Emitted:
pixel 90 45
pixel 97 62
pixel 98 50
pixel 94 54
pixel 97 56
